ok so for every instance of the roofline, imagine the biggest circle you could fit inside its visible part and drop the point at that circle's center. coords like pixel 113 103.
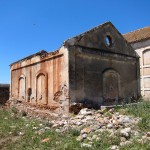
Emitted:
pixel 132 32
pixel 136 30
pixel 90 30
pixel 141 40
pixel 28 57
pixel 78 37
pixel 33 55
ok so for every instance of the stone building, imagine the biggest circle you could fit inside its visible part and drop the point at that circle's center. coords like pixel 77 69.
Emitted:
pixel 4 93
pixel 97 67
pixel 140 41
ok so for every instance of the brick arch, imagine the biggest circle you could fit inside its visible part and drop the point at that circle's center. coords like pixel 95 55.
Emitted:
pixel 22 87
pixel 111 84
pixel 41 87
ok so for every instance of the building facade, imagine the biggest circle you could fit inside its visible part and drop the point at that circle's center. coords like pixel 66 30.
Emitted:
pixel 97 67
pixel 140 41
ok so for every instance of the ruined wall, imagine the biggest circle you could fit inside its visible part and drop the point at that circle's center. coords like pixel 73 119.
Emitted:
pixel 103 67
pixel 143 50
pixel 4 93
pixel 97 67
pixel 99 78
pixel 41 79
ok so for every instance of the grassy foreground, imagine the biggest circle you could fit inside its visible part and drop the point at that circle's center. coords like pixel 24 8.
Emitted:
pixel 18 132
pixel 141 110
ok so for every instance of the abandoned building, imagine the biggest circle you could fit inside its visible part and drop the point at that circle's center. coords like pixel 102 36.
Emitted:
pixel 98 67
pixel 140 41
pixel 4 93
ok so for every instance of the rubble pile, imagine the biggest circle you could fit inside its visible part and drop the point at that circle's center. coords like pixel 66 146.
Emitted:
pixel 89 125
pixel 92 123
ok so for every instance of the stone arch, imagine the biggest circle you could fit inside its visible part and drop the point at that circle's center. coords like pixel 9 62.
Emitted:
pixel 41 87
pixel 22 87
pixel 111 84
pixel 146 57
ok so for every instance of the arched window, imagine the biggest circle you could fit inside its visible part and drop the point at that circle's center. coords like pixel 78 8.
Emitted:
pixel 108 40
pixel 146 57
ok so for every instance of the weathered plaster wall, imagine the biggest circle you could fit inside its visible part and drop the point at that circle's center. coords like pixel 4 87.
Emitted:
pixel 143 50
pixel 41 79
pixel 97 67
pixel 97 77
pixel 102 72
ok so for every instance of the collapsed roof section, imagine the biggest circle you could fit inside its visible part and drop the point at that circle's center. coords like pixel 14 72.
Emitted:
pixel 41 53
pixel 104 37
pixel 30 56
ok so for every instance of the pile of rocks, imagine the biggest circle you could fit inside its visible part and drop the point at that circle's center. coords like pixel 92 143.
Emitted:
pixel 91 123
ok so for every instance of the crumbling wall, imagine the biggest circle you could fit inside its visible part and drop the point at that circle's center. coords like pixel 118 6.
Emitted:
pixel 4 93
pixel 103 67
pixel 100 78
pixel 96 68
pixel 40 79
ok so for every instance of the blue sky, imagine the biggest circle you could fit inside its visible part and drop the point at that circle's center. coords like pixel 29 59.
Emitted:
pixel 28 26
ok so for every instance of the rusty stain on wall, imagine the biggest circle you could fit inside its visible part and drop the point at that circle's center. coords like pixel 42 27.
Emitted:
pixel 36 79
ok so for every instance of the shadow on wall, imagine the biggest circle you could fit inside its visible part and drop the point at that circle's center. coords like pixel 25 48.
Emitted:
pixel 107 102
pixel 86 103
pixel 4 93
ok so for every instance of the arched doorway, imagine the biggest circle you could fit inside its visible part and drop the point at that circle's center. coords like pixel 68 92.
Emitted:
pixel 111 85
pixel 41 88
